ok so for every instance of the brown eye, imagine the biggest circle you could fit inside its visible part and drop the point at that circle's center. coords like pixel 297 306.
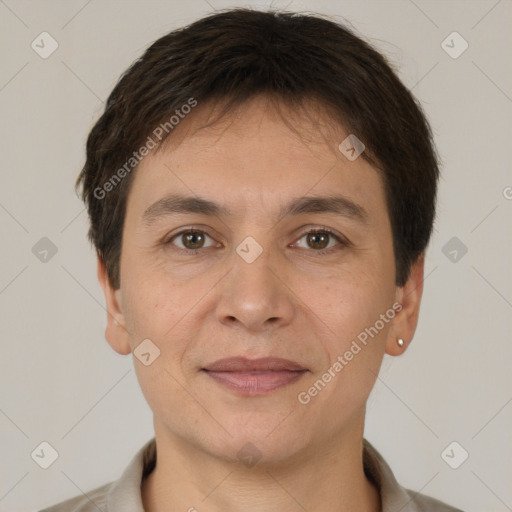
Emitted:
pixel 320 241
pixel 190 240
pixel 193 240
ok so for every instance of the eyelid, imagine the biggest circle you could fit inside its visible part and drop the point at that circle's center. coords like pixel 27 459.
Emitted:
pixel 188 229
pixel 342 240
pixel 322 229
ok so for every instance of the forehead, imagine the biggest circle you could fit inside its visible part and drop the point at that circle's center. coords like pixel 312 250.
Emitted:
pixel 256 157
pixel 310 125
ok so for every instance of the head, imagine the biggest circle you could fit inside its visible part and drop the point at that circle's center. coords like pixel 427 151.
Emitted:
pixel 218 153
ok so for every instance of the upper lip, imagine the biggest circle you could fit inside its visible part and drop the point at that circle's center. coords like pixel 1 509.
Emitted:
pixel 242 364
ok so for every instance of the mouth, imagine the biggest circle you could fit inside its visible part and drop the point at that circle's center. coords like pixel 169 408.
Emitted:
pixel 254 377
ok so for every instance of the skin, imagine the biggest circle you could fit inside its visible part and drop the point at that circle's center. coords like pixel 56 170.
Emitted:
pixel 290 303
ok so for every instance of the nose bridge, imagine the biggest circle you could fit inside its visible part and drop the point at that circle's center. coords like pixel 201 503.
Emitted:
pixel 253 295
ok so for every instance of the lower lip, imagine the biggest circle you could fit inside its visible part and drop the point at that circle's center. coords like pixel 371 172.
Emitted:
pixel 255 383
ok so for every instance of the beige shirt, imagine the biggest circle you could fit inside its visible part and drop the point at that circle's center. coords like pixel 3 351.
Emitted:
pixel 124 495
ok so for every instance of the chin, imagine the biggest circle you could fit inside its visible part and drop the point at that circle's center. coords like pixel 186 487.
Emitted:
pixel 257 443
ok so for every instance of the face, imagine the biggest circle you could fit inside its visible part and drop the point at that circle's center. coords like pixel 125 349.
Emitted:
pixel 259 271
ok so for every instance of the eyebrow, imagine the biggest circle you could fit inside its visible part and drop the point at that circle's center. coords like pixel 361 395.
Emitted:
pixel 173 204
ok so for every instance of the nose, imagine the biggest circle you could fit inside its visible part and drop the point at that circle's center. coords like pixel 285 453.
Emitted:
pixel 254 296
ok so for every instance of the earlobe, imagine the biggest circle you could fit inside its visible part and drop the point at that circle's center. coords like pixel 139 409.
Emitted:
pixel 115 332
pixel 404 324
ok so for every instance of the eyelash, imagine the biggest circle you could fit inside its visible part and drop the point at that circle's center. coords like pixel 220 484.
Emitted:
pixel 342 241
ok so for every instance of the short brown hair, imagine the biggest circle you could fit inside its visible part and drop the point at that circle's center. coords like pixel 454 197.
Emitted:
pixel 236 54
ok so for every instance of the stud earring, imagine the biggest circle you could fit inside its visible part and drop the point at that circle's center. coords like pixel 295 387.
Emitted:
pixel 400 342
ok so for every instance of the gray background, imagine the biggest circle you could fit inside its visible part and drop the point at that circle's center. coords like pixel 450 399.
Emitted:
pixel 63 384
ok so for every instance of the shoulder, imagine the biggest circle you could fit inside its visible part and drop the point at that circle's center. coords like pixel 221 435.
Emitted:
pixel 123 494
pixel 93 501
pixel 395 497
pixel 425 503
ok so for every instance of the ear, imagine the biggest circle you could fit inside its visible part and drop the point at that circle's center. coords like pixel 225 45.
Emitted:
pixel 115 333
pixel 409 297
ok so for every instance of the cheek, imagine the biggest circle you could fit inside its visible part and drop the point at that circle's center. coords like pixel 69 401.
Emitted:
pixel 353 299
pixel 355 347
pixel 170 314
pixel 357 309
pixel 157 310
pixel 153 300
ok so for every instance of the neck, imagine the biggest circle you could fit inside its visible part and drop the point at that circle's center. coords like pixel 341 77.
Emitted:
pixel 186 478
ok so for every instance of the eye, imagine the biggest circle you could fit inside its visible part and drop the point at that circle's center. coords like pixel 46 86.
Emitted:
pixel 319 238
pixel 192 240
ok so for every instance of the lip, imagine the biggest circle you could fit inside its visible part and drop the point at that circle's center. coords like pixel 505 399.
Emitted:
pixel 264 364
pixel 253 377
